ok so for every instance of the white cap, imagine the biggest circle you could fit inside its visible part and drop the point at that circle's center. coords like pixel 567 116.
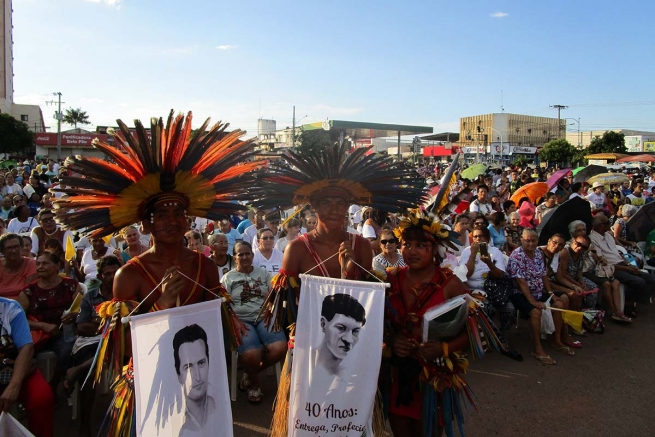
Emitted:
pixel 597 184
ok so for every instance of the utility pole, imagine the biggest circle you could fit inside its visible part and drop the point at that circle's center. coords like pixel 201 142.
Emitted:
pixel 559 109
pixel 293 132
pixel 59 117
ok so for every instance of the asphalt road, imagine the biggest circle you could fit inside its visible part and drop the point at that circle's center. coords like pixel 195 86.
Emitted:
pixel 605 390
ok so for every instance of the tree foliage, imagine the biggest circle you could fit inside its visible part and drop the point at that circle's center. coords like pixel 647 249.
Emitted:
pixel 313 140
pixel 75 117
pixel 558 151
pixel 610 142
pixel 14 135
pixel 520 161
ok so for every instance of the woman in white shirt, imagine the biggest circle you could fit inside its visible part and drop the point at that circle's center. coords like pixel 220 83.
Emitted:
pixel 292 228
pixel 11 186
pixel 266 255
pixel 22 223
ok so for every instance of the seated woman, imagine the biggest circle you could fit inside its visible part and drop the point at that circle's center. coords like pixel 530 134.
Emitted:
pixel 571 270
pixel 248 286
pixel 55 247
pixel 224 261
pixel 134 247
pixel 621 232
pixel 389 257
pixel 514 231
pixel 462 226
pixel 46 301
pixel 194 242
pixel 266 255
pixel 414 289
pixel 497 231
pixel 87 269
pixel 292 230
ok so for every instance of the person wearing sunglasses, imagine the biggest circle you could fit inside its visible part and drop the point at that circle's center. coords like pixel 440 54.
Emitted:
pixel 266 255
pixel 389 257
pixel 571 269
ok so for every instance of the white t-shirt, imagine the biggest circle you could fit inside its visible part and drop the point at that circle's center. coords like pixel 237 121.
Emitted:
pixel 17 227
pixel 597 200
pixel 368 231
pixel 484 208
pixel 250 233
pixel 272 264
pixel 481 270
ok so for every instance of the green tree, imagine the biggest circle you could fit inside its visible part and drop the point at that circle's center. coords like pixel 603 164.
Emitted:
pixel 558 151
pixel 14 135
pixel 312 140
pixel 610 142
pixel 520 161
pixel 75 116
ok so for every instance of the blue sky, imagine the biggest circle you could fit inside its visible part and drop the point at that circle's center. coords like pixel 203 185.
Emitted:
pixel 412 62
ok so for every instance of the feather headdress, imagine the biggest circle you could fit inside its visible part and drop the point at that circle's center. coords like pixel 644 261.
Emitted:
pixel 206 174
pixel 368 180
pixel 430 227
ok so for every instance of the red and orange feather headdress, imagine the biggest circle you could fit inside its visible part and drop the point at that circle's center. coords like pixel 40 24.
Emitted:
pixel 206 174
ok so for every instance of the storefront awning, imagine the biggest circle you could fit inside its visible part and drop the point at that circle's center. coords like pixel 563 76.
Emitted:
pixel 437 151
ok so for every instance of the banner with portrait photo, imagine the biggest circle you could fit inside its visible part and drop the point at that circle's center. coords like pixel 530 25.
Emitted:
pixel 180 375
pixel 336 359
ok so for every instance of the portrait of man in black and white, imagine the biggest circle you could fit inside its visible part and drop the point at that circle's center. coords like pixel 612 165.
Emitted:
pixel 191 355
pixel 342 318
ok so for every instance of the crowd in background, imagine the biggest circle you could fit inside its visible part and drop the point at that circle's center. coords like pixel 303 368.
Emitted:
pixel 498 254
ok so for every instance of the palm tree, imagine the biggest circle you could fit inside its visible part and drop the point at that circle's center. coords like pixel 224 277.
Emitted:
pixel 75 116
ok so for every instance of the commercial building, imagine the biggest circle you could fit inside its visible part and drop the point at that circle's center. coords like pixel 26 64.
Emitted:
pixel 499 137
pixel 635 141
pixel 29 114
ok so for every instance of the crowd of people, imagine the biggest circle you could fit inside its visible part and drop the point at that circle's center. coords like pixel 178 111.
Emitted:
pixel 496 251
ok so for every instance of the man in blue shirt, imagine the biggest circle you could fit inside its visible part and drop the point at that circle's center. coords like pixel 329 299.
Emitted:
pixel 19 380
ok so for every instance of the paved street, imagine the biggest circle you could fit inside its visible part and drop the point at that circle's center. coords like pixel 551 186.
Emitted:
pixel 605 390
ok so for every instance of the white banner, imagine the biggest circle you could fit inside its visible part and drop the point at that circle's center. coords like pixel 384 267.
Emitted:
pixel 180 375
pixel 336 359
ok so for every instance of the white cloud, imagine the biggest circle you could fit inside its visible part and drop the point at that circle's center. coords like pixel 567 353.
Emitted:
pixel 499 14
pixel 113 3
pixel 225 47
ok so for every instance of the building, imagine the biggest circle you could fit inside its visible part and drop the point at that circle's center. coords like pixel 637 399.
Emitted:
pixel 73 142
pixel 499 137
pixel 635 141
pixel 30 114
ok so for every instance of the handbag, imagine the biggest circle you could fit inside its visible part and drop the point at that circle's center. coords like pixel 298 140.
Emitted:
pixel 592 321
pixel 604 270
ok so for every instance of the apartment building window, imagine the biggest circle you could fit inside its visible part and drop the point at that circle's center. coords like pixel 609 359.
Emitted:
pixel 24 117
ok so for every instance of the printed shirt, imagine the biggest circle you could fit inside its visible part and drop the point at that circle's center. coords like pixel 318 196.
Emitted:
pixel 48 305
pixel 637 201
pixel 484 208
pixel 597 200
pixel 532 270
pixel 248 291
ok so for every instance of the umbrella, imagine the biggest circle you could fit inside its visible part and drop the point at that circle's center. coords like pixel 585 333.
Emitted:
pixel 8 162
pixel 606 156
pixel 532 191
pixel 640 224
pixel 581 174
pixel 609 178
pixel 557 220
pixel 638 158
pixel 556 177
pixel 473 171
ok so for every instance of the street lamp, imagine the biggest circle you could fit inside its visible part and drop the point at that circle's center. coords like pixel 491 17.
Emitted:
pixel 501 143
pixel 579 134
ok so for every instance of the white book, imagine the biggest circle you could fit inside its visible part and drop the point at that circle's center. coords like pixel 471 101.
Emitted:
pixel 445 321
